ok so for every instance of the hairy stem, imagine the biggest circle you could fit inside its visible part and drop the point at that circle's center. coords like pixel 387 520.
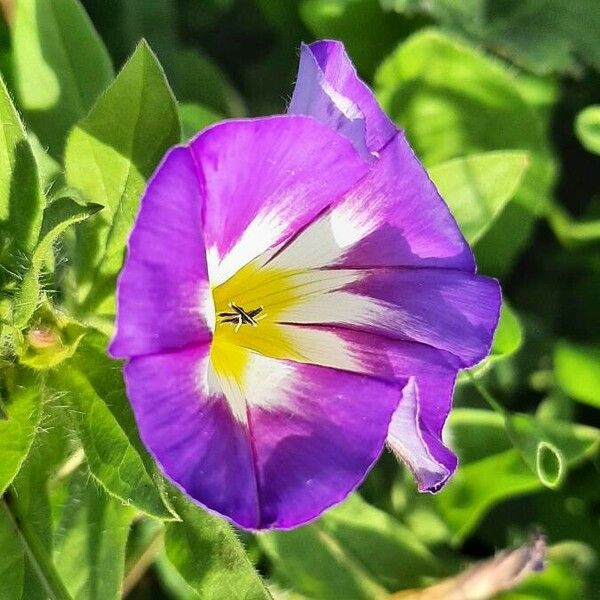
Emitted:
pixel 34 549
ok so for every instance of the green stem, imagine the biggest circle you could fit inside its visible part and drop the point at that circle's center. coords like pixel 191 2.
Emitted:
pixel 34 549
pixel 496 406
pixel 569 230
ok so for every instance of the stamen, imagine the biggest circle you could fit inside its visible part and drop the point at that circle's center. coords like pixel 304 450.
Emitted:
pixel 239 316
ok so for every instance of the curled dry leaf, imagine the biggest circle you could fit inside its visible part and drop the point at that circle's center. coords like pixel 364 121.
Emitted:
pixel 486 579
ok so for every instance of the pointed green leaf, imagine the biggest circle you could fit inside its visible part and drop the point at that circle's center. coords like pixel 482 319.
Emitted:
pixel 90 540
pixel 93 387
pixel 587 127
pixel 109 156
pixel 58 217
pixel 60 64
pixel 478 187
pixel 207 553
pixel 21 197
pixel 22 407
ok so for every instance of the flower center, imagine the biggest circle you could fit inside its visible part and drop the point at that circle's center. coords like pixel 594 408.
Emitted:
pixel 238 316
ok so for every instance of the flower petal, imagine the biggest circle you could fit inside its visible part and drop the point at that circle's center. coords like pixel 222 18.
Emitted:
pixel 264 179
pixel 393 217
pixel 329 89
pixel 308 438
pixel 164 299
pixel 415 434
pixel 450 310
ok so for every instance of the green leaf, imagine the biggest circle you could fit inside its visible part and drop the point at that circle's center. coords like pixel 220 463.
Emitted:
pixel 454 101
pixel 587 127
pixel 496 470
pixel 209 556
pixel 194 118
pixel 353 551
pixel 58 217
pixel 12 561
pixel 109 156
pixel 20 397
pixel 49 450
pixel 577 370
pixel 60 66
pixel 478 187
pixel 90 540
pixel 549 447
pixel 93 387
pixel 21 197
pixel 559 44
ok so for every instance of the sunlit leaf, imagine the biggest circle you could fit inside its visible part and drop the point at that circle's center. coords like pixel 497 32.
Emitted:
pixel 109 156
pixel 60 66
pixel 497 470
pixel 22 410
pixel 478 187
pixel 542 35
pixel 194 118
pixel 587 127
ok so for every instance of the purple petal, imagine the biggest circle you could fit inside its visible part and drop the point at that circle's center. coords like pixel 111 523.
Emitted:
pixel 449 310
pixel 415 433
pixel 163 288
pixel 192 435
pixel 393 217
pixel 329 89
pixel 266 178
pixel 308 439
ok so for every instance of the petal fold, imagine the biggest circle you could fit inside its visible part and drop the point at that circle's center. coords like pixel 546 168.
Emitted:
pixel 415 434
pixel 329 89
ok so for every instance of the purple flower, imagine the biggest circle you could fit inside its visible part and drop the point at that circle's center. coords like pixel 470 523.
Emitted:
pixel 295 294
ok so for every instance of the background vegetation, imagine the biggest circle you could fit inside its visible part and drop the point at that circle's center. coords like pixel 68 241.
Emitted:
pixel 497 97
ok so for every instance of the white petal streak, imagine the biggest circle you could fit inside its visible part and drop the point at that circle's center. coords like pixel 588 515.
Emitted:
pixel 341 308
pixel 325 348
pixel 246 249
pixel 326 240
pixel 266 383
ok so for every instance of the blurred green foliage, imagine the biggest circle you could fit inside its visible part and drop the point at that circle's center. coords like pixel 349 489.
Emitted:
pixel 500 100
